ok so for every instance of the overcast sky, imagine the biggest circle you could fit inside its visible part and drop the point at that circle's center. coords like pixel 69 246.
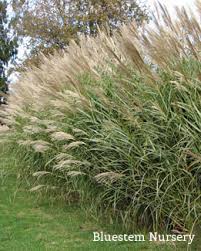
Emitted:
pixel 171 3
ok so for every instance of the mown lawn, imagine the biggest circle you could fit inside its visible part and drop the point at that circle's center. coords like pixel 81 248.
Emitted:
pixel 30 223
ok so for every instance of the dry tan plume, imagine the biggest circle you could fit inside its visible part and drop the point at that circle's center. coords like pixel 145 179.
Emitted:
pixel 57 87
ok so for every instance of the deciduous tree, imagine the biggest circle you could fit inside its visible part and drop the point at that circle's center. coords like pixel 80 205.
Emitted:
pixel 53 23
pixel 8 45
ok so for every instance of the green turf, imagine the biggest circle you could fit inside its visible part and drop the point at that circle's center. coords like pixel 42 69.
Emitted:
pixel 29 223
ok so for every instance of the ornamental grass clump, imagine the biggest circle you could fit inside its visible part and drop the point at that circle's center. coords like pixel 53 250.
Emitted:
pixel 117 123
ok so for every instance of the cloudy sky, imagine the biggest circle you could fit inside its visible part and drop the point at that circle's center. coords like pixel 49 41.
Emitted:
pixel 171 3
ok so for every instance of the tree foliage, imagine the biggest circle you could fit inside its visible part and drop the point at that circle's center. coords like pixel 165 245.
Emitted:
pixel 8 45
pixel 52 24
